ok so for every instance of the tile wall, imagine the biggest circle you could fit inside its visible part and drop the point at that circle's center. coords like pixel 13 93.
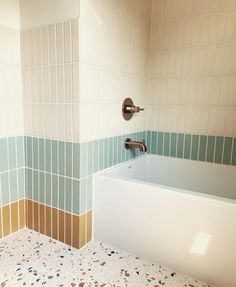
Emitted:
pixel 193 67
pixel 12 191
pixel 213 149
pixel 78 62
pixel 72 107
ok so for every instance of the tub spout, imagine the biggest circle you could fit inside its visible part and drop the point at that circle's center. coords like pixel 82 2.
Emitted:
pixel 129 144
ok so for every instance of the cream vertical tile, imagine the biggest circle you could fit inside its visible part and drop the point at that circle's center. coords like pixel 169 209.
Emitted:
pixel 68 122
pixel 53 84
pixel 45 45
pixel 75 39
pixel 38 46
pixel 68 82
pixel 60 121
pixel 46 84
pixel 76 122
pixel 32 50
pixel 60 43
pixel 52 43
pixel 55 123
pixel 41 120
pixel 75 82
pixel 48 120
pixel 60 83
pixel 67 42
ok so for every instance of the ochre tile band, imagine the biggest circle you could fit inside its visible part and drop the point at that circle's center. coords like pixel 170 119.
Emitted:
pixel 12 218
pixel 74 230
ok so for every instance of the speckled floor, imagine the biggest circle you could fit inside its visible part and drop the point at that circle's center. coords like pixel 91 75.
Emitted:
pixel 28 258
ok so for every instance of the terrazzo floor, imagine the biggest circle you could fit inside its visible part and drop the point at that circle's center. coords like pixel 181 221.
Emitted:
pixel 28 258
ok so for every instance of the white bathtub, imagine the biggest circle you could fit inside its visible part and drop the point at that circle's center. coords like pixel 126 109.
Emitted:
pixel 178 213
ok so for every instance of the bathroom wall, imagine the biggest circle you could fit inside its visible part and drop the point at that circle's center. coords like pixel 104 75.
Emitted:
pixel 12 215
pixel 50 59
pixel 192 87
pixel 77 68
pixel 114 43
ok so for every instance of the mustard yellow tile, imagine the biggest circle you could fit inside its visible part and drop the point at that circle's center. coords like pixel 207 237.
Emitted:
pixel 68 223
pixel 89 225
pixel 54 223
pixel 14 216
pixel 22 213
pixel 6 220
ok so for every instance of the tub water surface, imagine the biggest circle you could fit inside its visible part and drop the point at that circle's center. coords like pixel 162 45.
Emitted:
pixel 175 212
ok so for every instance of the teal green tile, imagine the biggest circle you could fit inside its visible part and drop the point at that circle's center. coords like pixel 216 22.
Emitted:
pixel 227 150
pixel 101 153
pixel 21 183
pixel 68 194
pixel 20 152
pixel 36 185
pixel 106 154
pixel 76 197
pixel 95 156
pixel 35 153
pixel 42 179
pixel 83 159
pixel 195 147
pixel 48 189
pixel 89 193
pixel 149 141
pixel 166 144
pixel 56 190
pixel 115 150
pixel 90 158
pixel 61 158
pixel 154 143
pixel 5 188
pixel 180 145
pixel 41 154
pixel 3 155
pixel 234 152
pixel 160 143
pixel 110 152
pixel 83 190
pixel 58 152
pixel 210 148
pixel 29 152
pixel 13 185
pixel 12 152
pixel 48 147
pixel 123 150
pixel 219 149
pixel 69 168
pixel 187 146
pixel 202 148
pixel 173 144
pixel 62 185
pixel 76 160
pixel 119 149
pixel 29 183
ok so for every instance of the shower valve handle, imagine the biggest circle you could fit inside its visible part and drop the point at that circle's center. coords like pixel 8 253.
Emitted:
pixel 133 109
pixel 128 109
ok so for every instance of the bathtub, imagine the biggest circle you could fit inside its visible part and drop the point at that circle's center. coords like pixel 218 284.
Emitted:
pixel 175 212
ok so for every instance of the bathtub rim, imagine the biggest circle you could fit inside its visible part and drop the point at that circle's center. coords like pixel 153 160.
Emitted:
pixel 191 193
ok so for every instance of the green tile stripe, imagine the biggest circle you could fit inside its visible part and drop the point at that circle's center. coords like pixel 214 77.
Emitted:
pixel 12 186
pixel 59 173
pixel 12 163
pixel 11 153
pixel 206 148
pixel 78 160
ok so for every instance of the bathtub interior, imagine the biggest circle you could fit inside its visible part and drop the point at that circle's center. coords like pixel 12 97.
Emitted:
pixel 212 179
